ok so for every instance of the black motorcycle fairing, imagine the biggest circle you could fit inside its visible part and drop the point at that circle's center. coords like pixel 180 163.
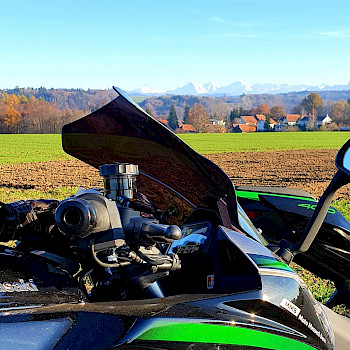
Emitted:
pixel 29 279
pixel 305 208
pixel 170 170
pixel 287 218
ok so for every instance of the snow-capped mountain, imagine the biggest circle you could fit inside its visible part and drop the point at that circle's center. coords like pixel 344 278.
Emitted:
pixel 145 90
pixel 189 89
pixel 211 87
pixel 235 89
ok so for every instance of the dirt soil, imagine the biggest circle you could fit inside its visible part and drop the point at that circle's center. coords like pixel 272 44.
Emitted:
pixel 310 170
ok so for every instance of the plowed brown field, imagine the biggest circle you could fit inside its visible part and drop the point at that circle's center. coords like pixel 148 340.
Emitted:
pixel 309 170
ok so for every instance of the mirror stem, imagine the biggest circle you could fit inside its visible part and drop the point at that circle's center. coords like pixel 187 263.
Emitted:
pixel 339 180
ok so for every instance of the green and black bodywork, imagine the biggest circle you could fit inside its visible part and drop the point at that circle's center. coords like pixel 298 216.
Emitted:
pixel 283 213
pixel 232 293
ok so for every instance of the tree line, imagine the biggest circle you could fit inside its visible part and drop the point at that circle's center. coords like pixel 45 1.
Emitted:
pixel 24 112
pixel 312 106
pixel 19 114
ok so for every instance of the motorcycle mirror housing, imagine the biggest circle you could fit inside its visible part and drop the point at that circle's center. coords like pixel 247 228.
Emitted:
pixel 342 161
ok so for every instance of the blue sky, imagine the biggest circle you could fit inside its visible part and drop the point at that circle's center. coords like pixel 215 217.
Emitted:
pixel 162 44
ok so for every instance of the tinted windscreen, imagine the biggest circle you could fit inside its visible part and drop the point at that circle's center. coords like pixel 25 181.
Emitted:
pixel 172 173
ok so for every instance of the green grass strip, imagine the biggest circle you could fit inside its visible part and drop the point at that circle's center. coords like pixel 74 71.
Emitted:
pixel 264 141
pixel 217 334
pixel 26 148
pixel 13 194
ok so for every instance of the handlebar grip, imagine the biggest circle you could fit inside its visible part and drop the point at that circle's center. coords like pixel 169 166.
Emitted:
pixel 172 232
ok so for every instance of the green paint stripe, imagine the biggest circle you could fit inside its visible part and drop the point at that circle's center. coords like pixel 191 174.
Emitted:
pixel 271 264
pixel 255 195
pixel 216 334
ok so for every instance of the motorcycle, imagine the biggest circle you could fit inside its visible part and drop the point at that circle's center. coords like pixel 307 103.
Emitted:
pixel 163 257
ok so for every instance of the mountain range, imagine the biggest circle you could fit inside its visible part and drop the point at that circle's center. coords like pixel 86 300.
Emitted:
pixel 235 89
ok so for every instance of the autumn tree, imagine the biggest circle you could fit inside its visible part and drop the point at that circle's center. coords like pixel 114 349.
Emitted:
pixel 265 109
pixel 312 103
pixel 5 97
pixel 255 111
pixel 261 109
pixel 220 111
pixel 346 114
pixel 337 112
pixel 172 118
pixel 198 117
pixel 10 116
pixel 22 99
pixel 277 112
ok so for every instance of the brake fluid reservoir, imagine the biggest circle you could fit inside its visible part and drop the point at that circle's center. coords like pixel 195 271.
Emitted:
pixel 119 180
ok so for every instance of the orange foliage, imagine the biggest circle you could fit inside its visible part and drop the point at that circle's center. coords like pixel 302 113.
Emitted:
pixel 11 117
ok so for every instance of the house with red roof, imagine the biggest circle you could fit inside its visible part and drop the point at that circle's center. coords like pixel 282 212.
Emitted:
pixel 187 128
pixel 260 126
pixel 290 119
pixel 164 122
pixel 260 117
pixel 243 128
pixel 249 120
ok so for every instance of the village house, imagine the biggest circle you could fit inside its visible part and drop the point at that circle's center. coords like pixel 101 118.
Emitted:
pixel 217 122
pixel 215 128
pixel 308 121
pixel 260 126
pixel 187 128
pixel 248 120
pixel 260 117
pixel 240 128
pixel 290 119
pixel 164 122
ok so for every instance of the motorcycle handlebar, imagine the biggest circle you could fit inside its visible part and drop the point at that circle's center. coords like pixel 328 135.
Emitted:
pixel 154 230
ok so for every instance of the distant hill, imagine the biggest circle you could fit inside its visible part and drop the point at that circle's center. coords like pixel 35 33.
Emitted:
pixel 236 88
pixel 85 100
pixel 88 100
pixel 161 105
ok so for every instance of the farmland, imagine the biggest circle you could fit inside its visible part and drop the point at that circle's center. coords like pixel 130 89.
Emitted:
pixel 291 159
pixel 23 148
pixel 263 142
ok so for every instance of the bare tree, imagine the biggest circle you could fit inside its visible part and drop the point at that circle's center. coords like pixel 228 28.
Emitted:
pixel 198 117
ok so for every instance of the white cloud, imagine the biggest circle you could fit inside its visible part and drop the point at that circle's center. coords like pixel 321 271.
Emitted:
pixel 344 33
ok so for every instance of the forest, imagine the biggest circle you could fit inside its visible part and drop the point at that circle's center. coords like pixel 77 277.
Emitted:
pixel 41 110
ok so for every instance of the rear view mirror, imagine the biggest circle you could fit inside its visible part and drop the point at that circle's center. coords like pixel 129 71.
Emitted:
pixel 341 178
pixel 342 160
